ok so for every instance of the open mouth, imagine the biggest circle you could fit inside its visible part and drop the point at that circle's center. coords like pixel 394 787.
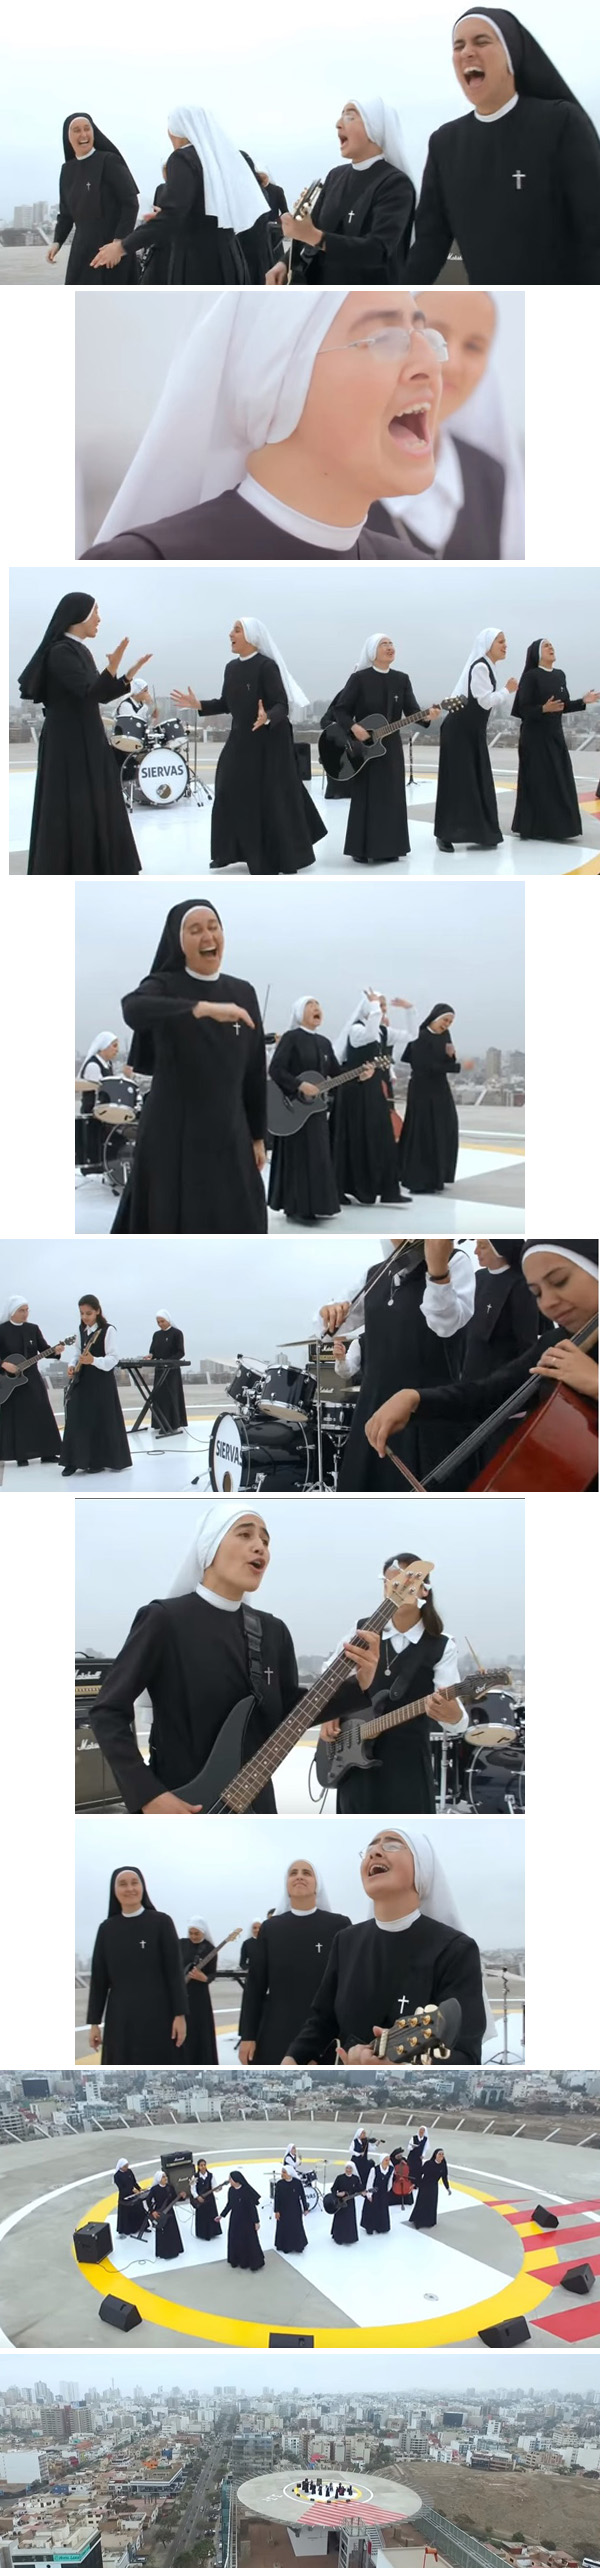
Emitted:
pixel 377 1868
pixel 410 428
pixel 473 74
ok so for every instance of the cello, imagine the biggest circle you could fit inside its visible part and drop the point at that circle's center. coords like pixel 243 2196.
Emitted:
pixel 554 1448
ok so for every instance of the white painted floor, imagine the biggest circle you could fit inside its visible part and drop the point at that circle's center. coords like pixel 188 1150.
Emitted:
pixel 95 1205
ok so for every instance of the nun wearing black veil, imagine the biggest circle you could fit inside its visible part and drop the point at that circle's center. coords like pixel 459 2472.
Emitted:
pixel 79 823
pixel 517 182
pixel 97 198
pixel 428 1145
pixel 546 805
pixel 209 196
pixel 137 1984
pixel 262 815
pixel 201 1137
pixel 242 2208
pixel 562 1275
pixel 505 1320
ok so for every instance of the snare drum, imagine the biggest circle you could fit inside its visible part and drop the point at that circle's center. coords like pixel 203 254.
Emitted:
pixel 260 1453
pixel 163 776
pixel 117 1102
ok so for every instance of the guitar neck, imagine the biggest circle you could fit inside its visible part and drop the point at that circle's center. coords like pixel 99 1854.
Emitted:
pixel 400 1712
pixel 244 1790
pixel 344 1077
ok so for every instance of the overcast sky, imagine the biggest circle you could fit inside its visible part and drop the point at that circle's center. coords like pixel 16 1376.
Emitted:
pixel 465 946
pixel 268 98
pixel 196 1874
pixel 433 611
pixel 449 2374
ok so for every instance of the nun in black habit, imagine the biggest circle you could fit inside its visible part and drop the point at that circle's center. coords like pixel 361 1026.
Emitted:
pixel 411 1953
pixel 289 2202
pixel 161 2197
pixel 359 230
pixel 97 198
pixel 377 831
pixel 401 1316
pixel 206 2217
pixel 168 1341
pixel 375 2215
pixel 262 815
pixel 434 2173
pixel 201 1137
pixel 243 2242
pixel 285 1965
pixel 137 1984
pixel 302 1181
pixel 364 1149
pixel 563 1278
pixel 345 2189
pixel 466 809
pixel 199 1957
pixel 94 1435
pixel 547 804
pixel 209 198
pixel 428 1145
pixel 28 1429
pixel 505 1319
pixel 132 2216
pixel 79 823
pixel 517 182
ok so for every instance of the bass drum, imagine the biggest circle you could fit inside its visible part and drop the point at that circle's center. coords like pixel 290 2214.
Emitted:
pixel 163 776
pixel 496 1780
pixel 260 1453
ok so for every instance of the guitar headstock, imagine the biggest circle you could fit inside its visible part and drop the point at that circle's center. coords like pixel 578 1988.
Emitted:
pixel 473 1688
pixel 421 2038
pixel 404 1586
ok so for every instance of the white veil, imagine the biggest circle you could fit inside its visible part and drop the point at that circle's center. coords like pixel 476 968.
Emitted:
pixel 284 1903
pixel 481 421
pixel 230 190
pixel 214 1522
pixel 435 1897
pixel 383 125
pixel 258 633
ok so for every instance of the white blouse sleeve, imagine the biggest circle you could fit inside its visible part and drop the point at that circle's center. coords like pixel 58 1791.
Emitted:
pixel 481 686
pixel 404 1033
pixel 448 1673
pixel 106 1363
pixel 366 1029
pixel 447 1307
pixel 348 1366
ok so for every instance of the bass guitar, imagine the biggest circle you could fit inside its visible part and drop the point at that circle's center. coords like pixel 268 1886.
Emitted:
pixel 343 763
pixel 335 1757
pixel 286 1115
pixel 10 1382
pixel 203 1958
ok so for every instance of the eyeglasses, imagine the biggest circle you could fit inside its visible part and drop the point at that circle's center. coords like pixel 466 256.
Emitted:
pixel 395 343
pixel 389 1844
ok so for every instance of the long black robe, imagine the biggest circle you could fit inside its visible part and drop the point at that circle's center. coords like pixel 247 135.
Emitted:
pixel 302 1181
pixel 546 804
pixel 504 1323
pixel 429 1140
pixel 366 216
pixel 377 832
pixel 375 2215
pixel 169 2242
pixel 262 815
pixel 289 2202
pixel 194 1662
pixel 94 1435
pixel 466 808
pixel 228 529
pixel 197 251
pixel 414 2160
pixel 396 1338
pixel 364 1150
pixel 132 2216
pixel 194 1167
pixel 28 1428
pixel 201 2045
pixel 344 2226
pixel 98 197
pixel 544 230
pixel 402 1774
pixel 79 824
pixel 169 1342
pixel 476 534
pixel 206 2218
pixel 462 1403
pixel 243 2242
pixel 137 1985
pixel 285 1967
pixel 425 2211
pixel 371 1976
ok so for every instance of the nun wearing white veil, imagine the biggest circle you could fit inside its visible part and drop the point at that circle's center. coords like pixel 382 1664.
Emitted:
pixel 411 1952
pixel 28 1429
pixel 199 1965
pixel 360 227
pixel 377 831
pixel 167 1345
pixel 279 423
pixel 208 198
pixel 197 1653
pixel 286 1966
pixel 474 509
pixel 302 1181
pixel 563 1277
pixel 466 810
pixel 261 816
pixel 516 182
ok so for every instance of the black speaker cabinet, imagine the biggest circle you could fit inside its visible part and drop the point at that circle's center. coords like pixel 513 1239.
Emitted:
pixel 281 2339
pixel 580 2279
pixel 118 2313
pixel 92 2241
pixel 545 2219
pixel 510 2331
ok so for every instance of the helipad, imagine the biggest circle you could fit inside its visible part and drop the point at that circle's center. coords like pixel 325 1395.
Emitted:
pixel 279 2496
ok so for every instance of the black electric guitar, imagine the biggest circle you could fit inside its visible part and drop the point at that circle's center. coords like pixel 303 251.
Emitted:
pixel 335 1757
pixel 10 1382
pixel 286 1115
pixel 423 2038
pixel 342 764
pixel 203 1958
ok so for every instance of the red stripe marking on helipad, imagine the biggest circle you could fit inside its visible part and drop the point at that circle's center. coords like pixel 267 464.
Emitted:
pixel 573 2324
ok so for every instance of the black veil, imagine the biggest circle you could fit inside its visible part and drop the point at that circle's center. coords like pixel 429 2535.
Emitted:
pixel 72 609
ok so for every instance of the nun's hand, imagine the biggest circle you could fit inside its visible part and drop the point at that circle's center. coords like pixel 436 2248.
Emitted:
pixel 95 2037
pixel 511 685
pixel 225 1013
pixel 362 2055
pixel 52 253
pixel 139 664
pixel 437 1257
pixel 9 1368
pixel 186 696
pixel 592 696
pixel 359 733
pixel 109 256
pixel 390 1419
pixel 401 1003
pixel 164 1803
pixel 330 1729
pixel 196 1974
pixel 179 2031
pixel 300 227
pixel 332 1314
pixel 260 1154
pixel 439 1708
pixel 307 1089
pixel 364 1655
pixel 113 657
pixel 277 275
pixel 553 704
pixel 261 718
pixel 568 1364
pixel 369 1070
pixel 246 2054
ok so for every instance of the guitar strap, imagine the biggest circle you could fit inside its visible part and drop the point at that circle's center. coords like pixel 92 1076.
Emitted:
pixel 253 1638
pixel 425 1652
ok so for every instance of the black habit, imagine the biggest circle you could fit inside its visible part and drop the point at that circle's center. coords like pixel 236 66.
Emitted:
pixel 228 529
pixel 400 1353
pixel 302 1181
pixel 169 1342
pixel 194 1167
pixel 415 2156
pixel 206 2217
pixel 504 1323
pixel 132 2216
pixel 94 1433
pixel 547 805
pixel 201 2045
pixel 428 1145
pixel 243 2242
pixel 98 202
pixel 137 1984
pixel 520 195
pixel 466 808
pixel 262 815
pixel 289 2202
pixel 169 2242
pixel 371 1976
pixel 375 2215
pixel 425 2211
pixel 476 535
pixel 461 1404
pixel 196 251
pixel 377 832
pixel 28 1429
pixel 343 2227
pixel 364 1149
pixel 401 1776
pixel 285 1967
pixel 79 823
pixel 366 216
pixel 194 1661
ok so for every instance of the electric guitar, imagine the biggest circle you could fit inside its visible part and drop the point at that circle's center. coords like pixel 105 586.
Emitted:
pixel 10 1382
pixel 428 2035
pixel 335 1757
pixel 203 1958
pixel 86 1350
pixel 343 764
pixel 286 1115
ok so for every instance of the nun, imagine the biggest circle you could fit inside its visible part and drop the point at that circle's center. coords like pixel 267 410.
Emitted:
pixel 414 1660
pixel 262 815
pixel 286 1964
pixel 375 2215
pixel 289 2202
pixel 90 1133
pixel 199 1651
pixel 161 2197
pixel 132 2216
pixel 208 197
pixel 360 227
pixel 79 824
pixel 202 2194
pixel 505 1319
pixel 343 2193
pixel 200 1142
pixel 466 808
pixel 242 2209
pixel 94 1435
pixel 562 1276
pixel 400 2194
pixel 199 1964
pixel 302 1181
pixel 28 1429
pixel 516 183
pixel 411 1953
pixel 428 1145
pixel 475 507
pixel 377 831
pixel 364 1150
pixel 137 1988
pixel 433 2174
pixel 276 430
pixel 416 2154
pixel 168 1342
pixel 97 197
pixel 547 804
pixel 414 1308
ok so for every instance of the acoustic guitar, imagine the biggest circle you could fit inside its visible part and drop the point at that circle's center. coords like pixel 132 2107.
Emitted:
pixel 10 1382
pixel 343 765
pixel 429 2035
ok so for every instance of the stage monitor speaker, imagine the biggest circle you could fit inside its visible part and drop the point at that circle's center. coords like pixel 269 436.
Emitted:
pixel 92 2241
pixel 118 2313
pixel 510 2331
pixel 580 2279
pixel 545 2219
pixel 279 2338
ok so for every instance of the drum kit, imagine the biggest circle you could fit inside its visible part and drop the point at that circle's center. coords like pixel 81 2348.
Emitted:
pixel 118 1106
pixel 156 767
pixel 286 1429
pixel 483 1769
pixel 307 2177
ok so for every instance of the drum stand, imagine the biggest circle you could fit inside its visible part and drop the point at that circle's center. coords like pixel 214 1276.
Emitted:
pixel 202 793
pixel 319 1410
pixel 445 1744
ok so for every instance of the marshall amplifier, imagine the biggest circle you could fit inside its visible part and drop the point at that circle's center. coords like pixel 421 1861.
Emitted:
pixel 178 2165
pixel 95 1786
